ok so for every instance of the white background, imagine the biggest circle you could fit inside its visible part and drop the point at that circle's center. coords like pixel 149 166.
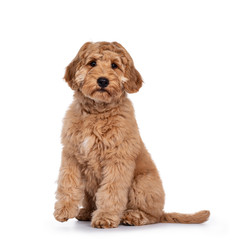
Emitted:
pixel 188 110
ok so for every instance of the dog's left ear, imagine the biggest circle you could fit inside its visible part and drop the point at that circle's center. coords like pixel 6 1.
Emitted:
pixel 133 80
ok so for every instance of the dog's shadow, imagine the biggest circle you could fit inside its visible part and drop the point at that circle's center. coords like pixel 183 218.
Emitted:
pixel 85 226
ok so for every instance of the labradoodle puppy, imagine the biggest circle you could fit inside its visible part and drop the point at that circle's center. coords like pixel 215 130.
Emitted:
pixel 105 166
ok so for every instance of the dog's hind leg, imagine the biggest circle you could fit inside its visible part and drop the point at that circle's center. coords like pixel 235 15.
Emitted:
pixel 146 200
pixel 146 195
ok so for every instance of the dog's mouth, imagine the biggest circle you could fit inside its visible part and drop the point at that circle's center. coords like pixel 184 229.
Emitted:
pixel 101 90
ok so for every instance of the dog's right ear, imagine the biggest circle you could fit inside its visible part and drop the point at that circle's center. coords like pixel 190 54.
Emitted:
pixel 74 65
pixel 70 73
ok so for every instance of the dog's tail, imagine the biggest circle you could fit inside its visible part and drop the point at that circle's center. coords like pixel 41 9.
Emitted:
pixel 198 217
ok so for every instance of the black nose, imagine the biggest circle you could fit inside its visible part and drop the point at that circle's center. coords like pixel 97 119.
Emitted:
pixel 102 82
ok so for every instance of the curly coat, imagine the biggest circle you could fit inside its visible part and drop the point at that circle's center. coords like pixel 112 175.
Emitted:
pixel 105 166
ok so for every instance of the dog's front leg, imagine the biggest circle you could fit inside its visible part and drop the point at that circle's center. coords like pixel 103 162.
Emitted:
pixel 112 196
pixel 70 189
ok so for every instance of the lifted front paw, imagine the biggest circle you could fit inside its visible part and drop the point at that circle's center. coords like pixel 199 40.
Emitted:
pixel 105 220
pixel 62 213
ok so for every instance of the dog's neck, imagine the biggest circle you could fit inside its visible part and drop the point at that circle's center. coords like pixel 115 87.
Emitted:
pixel 92 107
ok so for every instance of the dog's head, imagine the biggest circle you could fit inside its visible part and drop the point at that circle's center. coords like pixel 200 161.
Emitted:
pixel 102 71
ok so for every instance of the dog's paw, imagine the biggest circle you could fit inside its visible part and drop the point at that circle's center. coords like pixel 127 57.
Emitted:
pixel 84 215
pixel 105 220
pixel 63 213
pixel 134 218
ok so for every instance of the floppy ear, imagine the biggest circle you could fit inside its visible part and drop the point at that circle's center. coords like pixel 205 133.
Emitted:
pixel 133 78
pixel 134 82
pixel 70 73
pixel 72 67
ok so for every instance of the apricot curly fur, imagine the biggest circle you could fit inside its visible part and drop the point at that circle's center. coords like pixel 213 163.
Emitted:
pixel 107 175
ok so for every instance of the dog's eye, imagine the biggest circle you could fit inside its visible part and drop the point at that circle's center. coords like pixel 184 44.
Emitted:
pixel 93 63
pixel 114 65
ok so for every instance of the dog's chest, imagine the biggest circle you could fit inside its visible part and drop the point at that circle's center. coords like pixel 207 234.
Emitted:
pixel 101 133
pixel 97 139
pixel 93 138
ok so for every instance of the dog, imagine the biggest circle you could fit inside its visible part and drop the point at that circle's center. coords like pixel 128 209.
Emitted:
pixel 106 169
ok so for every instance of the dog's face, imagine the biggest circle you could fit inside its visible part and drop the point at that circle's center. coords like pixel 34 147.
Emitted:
pixel 102 71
